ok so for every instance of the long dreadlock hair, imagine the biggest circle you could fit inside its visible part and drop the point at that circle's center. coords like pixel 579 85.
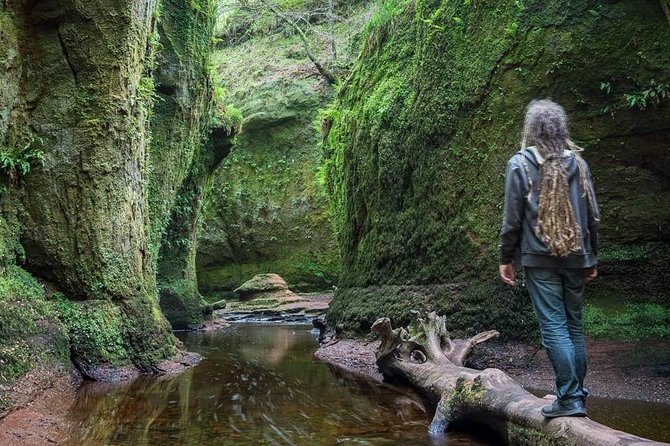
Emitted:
pixel 546 128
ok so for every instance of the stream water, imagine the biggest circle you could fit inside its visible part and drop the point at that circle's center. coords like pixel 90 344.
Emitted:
pixel 258 385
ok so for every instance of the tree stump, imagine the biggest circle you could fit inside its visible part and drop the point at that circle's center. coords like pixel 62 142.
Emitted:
pixel 424 356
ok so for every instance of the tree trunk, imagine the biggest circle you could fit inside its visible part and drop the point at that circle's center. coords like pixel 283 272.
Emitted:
pixel 424 356
pixel 325 72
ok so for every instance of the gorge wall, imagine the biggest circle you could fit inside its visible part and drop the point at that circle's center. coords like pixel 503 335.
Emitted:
pixel 88 176
pixel 268 211
pixel 420 133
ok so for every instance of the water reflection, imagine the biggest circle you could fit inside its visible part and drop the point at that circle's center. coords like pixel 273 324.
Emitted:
pixel 258 385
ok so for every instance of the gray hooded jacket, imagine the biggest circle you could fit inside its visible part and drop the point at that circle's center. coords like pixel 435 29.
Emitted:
pixel 518 240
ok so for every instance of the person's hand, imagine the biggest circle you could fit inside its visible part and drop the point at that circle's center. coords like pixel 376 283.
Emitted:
pixel 590 274
pixel 507 274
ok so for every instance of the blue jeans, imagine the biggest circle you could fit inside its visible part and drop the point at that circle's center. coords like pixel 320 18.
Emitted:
pixel 558 300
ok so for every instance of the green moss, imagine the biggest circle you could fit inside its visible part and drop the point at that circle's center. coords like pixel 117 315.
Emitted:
pixel 252 304
pixel 418 137
pixel 95 330
pixel 29 331
pixel 469 309
pixel 466 392
pixel 523 436
pixel 302 270
pixel 267 212
pixel 146 348
pixel 191 134
pixel 636 321
pixel 182 114
pixel 119 99
pixel 182 304
pixel 180 298
pixel 632 272
pixel 84 90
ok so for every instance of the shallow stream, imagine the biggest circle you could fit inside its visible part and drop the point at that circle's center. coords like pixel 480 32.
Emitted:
pixel 258 385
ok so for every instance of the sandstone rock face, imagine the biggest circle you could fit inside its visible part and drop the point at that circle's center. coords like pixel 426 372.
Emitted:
pixel 80 105
pixel 84 99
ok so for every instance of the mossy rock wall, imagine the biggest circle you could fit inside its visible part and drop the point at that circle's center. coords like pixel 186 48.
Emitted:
pixel 421 131
pixel 180 132
pixel 267 211
pixel 181 301
pixel 80 87
pixel 30 332
pixel 183 101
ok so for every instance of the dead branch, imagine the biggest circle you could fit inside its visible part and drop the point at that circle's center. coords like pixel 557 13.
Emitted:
pixel 425 357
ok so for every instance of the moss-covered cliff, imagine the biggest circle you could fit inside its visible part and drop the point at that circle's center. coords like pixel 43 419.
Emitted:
pixel 421 131
pixel 184 153
pixel 86 187
pixel 267 212
pixel 180 298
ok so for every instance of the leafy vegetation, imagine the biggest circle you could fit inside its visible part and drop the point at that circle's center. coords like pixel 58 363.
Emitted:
pixel 226 117
pixel 637 321
pixel 17 162
pixel 651 95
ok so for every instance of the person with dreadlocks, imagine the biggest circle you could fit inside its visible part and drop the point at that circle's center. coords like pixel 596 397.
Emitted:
pixel 550 228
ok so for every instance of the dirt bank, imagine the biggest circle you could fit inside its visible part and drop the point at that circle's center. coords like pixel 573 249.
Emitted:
pixel 633 371
pixel 40 401
pixel 43 397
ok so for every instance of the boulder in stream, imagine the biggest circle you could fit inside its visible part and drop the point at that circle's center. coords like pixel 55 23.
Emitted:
pixel 219 304
pixel 267 297
pixel 266 286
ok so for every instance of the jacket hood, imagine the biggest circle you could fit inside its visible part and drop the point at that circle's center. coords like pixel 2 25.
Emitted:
pixel 535 158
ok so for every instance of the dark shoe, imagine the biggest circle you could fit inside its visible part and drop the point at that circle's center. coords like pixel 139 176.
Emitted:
pixel 574 408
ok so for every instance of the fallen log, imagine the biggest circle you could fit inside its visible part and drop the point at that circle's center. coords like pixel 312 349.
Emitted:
pixel 424 356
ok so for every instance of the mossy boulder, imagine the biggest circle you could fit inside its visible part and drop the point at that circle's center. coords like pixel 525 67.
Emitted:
pixel 419 135
pixel 262 285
